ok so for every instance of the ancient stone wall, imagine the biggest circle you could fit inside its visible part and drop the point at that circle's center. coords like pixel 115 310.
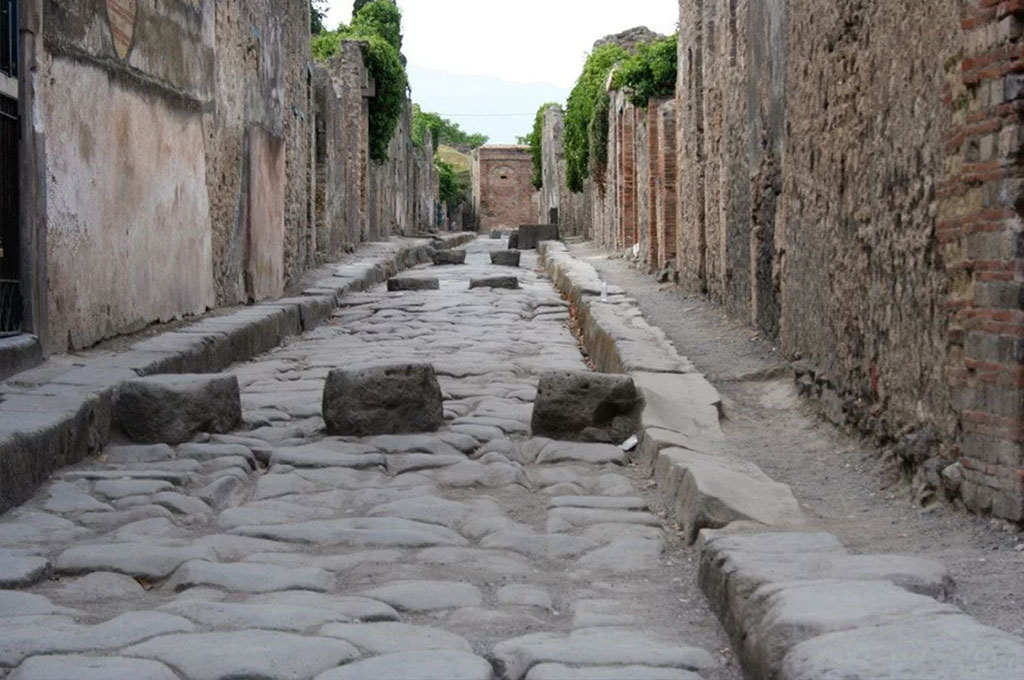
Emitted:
pixel 847 177
pixel 573 208
pixel 503 191
pixel 192 156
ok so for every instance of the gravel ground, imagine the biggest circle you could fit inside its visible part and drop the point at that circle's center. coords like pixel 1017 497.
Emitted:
pixel 839 479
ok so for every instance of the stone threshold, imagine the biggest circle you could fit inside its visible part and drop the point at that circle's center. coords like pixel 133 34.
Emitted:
pixel 795 603
pixel 59 413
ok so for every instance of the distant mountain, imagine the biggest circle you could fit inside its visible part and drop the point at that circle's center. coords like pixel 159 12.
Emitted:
pixel 450 94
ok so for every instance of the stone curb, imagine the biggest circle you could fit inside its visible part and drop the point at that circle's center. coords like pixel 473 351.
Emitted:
pixel 796 604
pixel 60 412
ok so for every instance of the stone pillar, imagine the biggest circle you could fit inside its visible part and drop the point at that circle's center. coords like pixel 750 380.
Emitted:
pixel 981 206
pixel 666 203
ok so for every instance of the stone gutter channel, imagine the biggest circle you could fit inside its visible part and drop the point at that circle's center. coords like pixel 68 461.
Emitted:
pixel 795 603
pixel 60 413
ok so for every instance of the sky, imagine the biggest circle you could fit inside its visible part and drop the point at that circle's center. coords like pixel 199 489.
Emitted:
pixel 489 65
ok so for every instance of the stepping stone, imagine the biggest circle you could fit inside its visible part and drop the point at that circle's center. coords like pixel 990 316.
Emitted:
pixel 435 665
pixel 388 638
pixel 21 570
pixel 246 654
pixel 443 257
pixel 506 282
pixel 505 258
pixel 556 671
pixel 387 399
pixel 585 406
pixel 596 647
pixel 18 642
pixel 249 578
pixel 172 409
pixel 145 560
pixel 422 596
pixel 402 284
pixel 525 596
pixel 385 532
pixel 90 668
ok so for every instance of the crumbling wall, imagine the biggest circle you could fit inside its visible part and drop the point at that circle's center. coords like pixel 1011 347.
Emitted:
pixel 573 208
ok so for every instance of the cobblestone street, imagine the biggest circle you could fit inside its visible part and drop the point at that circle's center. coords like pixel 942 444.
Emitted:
pixel 278 552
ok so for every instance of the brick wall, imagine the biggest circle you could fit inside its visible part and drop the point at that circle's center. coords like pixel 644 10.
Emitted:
pixel 503 189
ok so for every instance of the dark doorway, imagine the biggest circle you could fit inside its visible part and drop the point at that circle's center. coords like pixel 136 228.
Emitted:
pixel 9 37
pixel 10 287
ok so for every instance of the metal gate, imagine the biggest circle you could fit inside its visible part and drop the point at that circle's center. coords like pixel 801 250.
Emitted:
pixel 10 287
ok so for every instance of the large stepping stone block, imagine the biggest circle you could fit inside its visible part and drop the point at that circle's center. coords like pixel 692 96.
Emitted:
pixel 532 234
pixel 506 282
pixel 394 399
pixel 410 283
pixel 442 257
pixel 582 406
pixel 172 409
pixel 506 258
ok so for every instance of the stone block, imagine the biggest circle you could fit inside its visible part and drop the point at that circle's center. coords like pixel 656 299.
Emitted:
pixel 393 399
pixel 172 409
pixel 513 241
pixel 582 406
pixel 532 234
pixel 508 282
pixel 442 257
pixel 497 233
pixel 506 258
pixel 400 284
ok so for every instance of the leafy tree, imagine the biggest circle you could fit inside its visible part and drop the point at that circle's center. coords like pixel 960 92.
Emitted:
pixel 358 5
pixel 381 17
pixel 317 14
pixel 443 131
pixel 650 71
pixel 580 109
pixel 452 189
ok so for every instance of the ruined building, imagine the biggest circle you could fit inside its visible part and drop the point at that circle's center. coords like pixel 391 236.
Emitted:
pixel 847 176
pixel 503 191
pixel 182 155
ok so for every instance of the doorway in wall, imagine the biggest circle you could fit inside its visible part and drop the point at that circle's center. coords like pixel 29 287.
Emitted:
pixel 10 270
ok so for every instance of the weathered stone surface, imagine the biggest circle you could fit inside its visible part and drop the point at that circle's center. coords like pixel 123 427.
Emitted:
pixel 580 452
pixel 500 562
pixel 443 257
pixel 171 409
pixel 115 489
pixel 246 654
pixel 101 586
pixel 409 283
pixel 581 406
pixel 19 570
pixel 525 596
pixel 328 454
pixel 15 603
pixel 147 560
pixel 626 555
pixel 394 399
pixel 556 671
pixel 249 578
pixel 946 647
pixel 506 258
pixel 539 545
pixel 246 615
pixel 506 282
pixel 390 637
pixel 138 453
pixel 434 665
pixel 420 596
pixel 596 647
pixel 369 532
pixel 90 668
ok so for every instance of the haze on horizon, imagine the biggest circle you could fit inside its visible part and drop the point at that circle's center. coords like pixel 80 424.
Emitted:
pixel 489 65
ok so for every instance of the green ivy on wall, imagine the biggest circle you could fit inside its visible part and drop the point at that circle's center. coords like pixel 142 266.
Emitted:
pixel 579 113
pixel 649 72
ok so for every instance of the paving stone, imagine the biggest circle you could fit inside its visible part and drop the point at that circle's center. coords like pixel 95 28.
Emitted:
pixel 14 603
pixel 362 609
pixel 576 452
pixel 249 577
pixel 525 596
pixel 562 519
pixel 591 613
pixel 934 648
pixel 493 621
pixel 18 642
pixel 462 442
pixel 432 665
pixel 221 492
pixel 260 448
pixel 412 443
pixel 625 556
pixel 600 502
pixel 608 533
pixel 369 532
pixel 329 562
pixel 389 637
pixel 414 462
pixel 539 545
pixel 326 455
pixel 101 586
pixel 124 488
pixel 421 596
pixel 65 498
pixel 181 504
pixel 246 654
pixel 596 647
pixel 555 671
pixel 506 282
pixel 90 668
pixel 18 570
pixel 428 509
pixel 109 521
pixel 612 484
pixel 383 399
pixel 246 615
pixel 137 453
pixel 500 562
pixel 173 476
pixel 208 452
pixel 271 512
pixel 472 473
pixel 171 409
pixel 277 485
pixel 145 560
